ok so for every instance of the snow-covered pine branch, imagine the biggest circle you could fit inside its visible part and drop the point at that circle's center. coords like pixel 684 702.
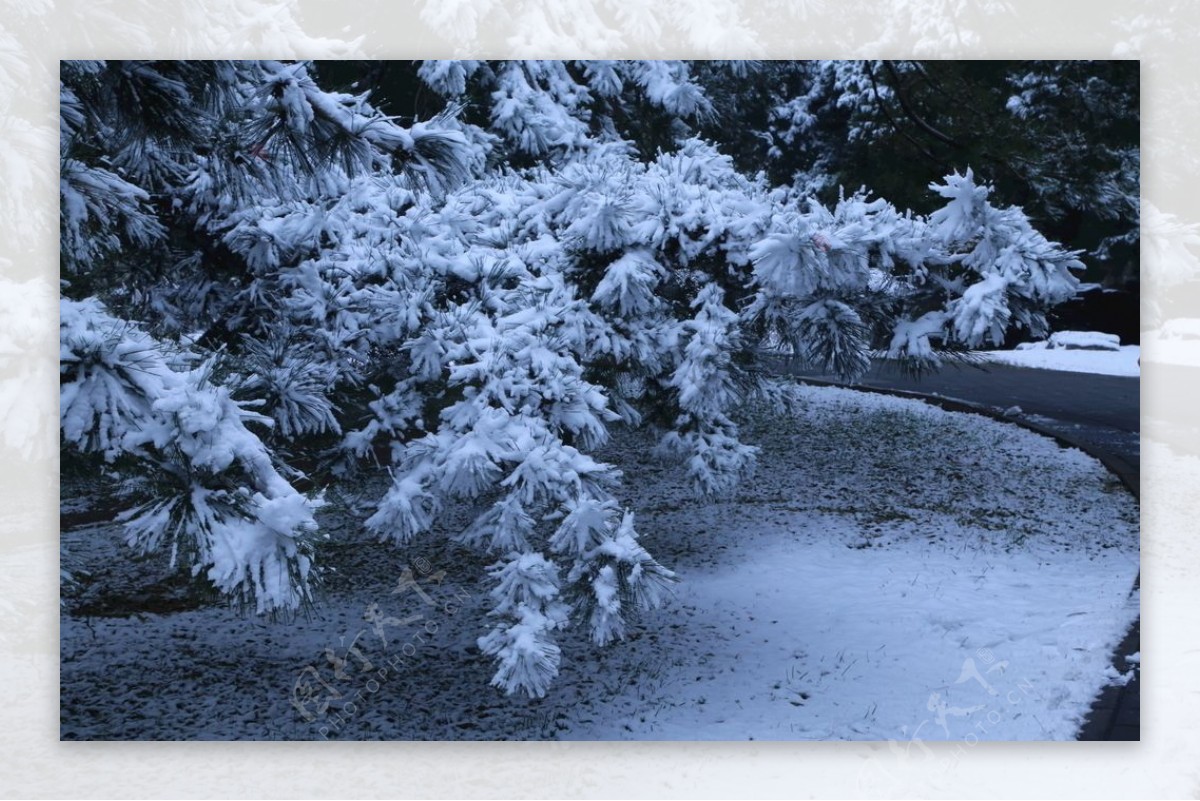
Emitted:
pixel 217 501
pixel 380 293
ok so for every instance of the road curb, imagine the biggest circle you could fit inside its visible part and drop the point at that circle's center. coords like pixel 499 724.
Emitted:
pixel 1116 713
pixel 1120 467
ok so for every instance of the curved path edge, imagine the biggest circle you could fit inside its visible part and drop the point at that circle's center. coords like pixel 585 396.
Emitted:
pixel 1116 711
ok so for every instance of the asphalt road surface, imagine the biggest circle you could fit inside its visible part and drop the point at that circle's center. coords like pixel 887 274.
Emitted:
pixel 1103 410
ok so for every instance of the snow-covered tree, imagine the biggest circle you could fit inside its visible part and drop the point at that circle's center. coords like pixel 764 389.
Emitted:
pixel 552 109
pixel 260 272
pixel 1060 138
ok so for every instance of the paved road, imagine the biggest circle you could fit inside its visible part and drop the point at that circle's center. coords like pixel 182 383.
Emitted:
pixel 1099 409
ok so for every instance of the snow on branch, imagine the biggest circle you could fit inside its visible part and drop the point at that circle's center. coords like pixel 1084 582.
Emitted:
pixel 471 303
pixel 222 504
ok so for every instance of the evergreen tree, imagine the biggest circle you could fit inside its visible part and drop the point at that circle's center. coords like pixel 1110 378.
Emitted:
pixel 1059 138
pixel 262 274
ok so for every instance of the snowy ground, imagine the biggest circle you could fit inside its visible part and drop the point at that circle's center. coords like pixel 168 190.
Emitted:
pixel 1104 362
pixel 893 571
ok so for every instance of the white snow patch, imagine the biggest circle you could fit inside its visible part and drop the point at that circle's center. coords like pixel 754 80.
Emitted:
pixel 1118 679
pixel 1084 340
pixel 1121 362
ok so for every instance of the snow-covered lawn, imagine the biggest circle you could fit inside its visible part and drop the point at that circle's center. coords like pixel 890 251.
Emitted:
pixel 893 571
pixel 1122 362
